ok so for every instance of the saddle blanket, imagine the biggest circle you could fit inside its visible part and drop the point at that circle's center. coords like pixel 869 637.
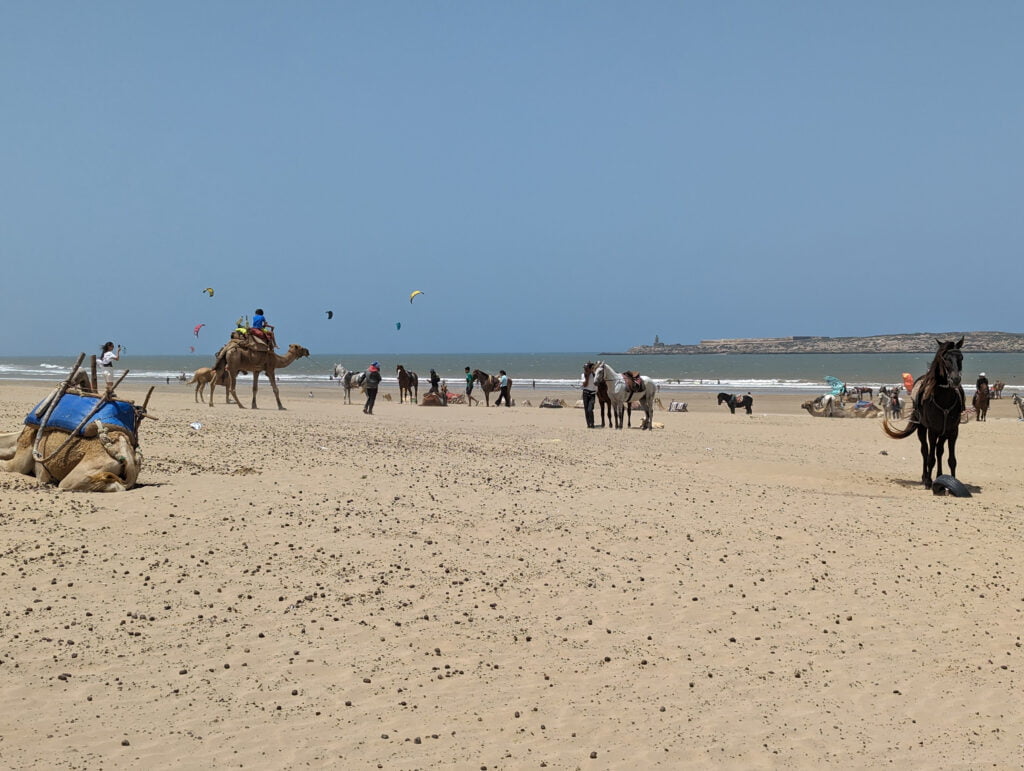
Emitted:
pixel 72 409
pixel 677 407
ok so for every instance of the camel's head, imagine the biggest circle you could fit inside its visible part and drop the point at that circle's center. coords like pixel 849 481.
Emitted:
pixel 297 350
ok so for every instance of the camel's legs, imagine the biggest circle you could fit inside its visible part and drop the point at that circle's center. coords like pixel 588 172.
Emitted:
pixel 273 385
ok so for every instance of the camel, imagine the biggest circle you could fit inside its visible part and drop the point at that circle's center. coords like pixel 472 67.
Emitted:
pixel 204 375
pixel 80 441
pixel 106 462
pixel 235 358
pixel 829 406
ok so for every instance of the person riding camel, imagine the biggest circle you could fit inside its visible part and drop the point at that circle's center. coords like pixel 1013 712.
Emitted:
pixel 260 328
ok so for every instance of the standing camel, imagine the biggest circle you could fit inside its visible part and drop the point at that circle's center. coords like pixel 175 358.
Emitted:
pixel 204 375
pixel 234 359
pixel 408 384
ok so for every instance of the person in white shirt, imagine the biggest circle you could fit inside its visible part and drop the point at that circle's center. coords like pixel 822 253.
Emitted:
pixel 107 359
pixel 589 384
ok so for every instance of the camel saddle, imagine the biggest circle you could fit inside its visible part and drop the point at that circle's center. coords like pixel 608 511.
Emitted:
pixel 72 410
pixel 634 383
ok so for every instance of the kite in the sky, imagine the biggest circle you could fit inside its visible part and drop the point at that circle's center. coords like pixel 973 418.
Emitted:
pixel 330 314
pixel 192 348
pixel 398 325
pixel 209 291
pixel 197 328
pixel 414 294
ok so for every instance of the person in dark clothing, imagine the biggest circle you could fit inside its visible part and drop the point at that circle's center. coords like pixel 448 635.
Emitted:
pixel 589 392
pixel 371 383
pixel 434 380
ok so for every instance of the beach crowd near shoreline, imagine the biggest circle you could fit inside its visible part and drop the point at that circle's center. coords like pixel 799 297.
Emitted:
pixel 501 588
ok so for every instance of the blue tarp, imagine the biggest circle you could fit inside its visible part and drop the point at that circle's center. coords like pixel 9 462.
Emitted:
pixel 838 386
pixel 72 409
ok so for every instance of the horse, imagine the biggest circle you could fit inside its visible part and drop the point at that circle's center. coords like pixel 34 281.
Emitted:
pixel 489 383
pixel 349 380
pixel 622 392
pixel 938 399
pixel 997 389
pixel 980 402
pixel 856 393
pixel 889 401
pixel 1019 404
pixel 746 401
pixel 408 384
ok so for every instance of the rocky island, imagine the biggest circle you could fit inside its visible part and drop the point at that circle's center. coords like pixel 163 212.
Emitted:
pixel 913 342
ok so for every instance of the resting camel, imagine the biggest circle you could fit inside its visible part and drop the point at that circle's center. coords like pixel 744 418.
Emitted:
pixel 106 462
pixel 204 375
pixel 235 358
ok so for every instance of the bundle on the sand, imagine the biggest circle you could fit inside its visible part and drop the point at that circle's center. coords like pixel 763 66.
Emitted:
pixel 432 400
pixel 677 407
pixel 549 401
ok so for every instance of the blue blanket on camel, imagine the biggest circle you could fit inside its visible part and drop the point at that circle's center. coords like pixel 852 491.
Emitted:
pixel 72 409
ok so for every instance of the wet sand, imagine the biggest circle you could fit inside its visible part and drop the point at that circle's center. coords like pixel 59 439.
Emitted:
pixel 504 588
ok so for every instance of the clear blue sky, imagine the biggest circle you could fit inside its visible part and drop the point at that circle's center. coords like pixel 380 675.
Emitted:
pixel 555 176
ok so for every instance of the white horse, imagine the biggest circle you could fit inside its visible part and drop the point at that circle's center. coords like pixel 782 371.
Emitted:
pixel 621 395
pixel 349 380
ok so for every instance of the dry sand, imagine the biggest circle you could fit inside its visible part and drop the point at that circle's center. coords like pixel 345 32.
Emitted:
pixel 505 589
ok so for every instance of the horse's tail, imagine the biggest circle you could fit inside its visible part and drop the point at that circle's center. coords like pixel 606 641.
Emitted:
pixel 897 433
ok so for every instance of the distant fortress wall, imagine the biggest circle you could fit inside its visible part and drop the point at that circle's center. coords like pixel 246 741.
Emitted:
pixel 758 340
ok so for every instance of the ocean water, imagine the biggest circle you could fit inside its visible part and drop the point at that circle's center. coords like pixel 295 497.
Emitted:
pixel 765 373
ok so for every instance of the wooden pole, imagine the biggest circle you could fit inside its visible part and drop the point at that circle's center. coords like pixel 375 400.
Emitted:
pixel 92 376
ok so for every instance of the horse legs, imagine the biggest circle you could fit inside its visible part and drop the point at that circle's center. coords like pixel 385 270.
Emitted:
pixel 926 476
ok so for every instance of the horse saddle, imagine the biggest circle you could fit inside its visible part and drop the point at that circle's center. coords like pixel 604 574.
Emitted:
pixel 634 384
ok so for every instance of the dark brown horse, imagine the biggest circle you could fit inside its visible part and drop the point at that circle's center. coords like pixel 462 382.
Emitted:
pixel 857 393
pixel 489 383
pixel 937 401
pixel 980 402
pixel 408 384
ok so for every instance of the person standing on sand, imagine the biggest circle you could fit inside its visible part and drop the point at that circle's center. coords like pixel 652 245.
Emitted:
pixel 371 383
pixel 469 389
pixel 107 359
pixel 434 380
pixel 589 385
pixel 503 384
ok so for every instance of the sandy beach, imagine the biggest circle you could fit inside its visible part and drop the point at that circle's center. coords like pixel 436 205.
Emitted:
pixel 504 589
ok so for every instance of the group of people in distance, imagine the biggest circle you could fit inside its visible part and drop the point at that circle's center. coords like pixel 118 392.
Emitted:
pixel 372 378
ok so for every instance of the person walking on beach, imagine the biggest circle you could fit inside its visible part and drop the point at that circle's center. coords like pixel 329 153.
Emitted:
pixel 503 385
pixel 469 389
pixel 434 380
pixel 107 359
pixel 371 383
pixel 589 385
